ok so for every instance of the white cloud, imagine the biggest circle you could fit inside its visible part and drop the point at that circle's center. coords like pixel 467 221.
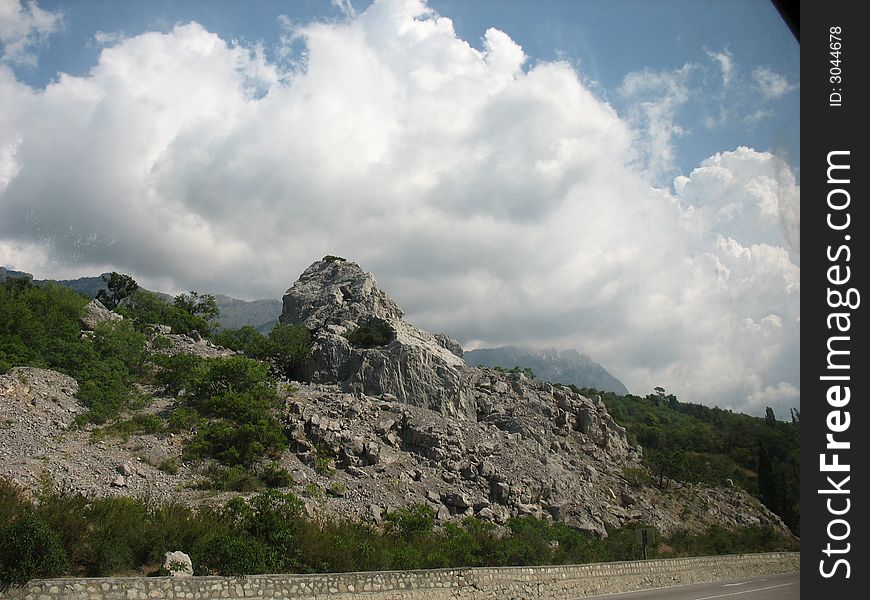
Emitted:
pixel 771 84
pixel 345 7
pixel 22 27
pixel 655 99
pixel 726 65
pixel 491 198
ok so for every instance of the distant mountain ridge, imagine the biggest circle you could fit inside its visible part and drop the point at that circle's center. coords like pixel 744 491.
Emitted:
pixel 555 366
pixel 259 314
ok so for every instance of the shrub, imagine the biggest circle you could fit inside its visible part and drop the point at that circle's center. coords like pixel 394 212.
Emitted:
pixel 30 548
pixel 137 424
pixel 227 554
pixel 187 313
pixel 411 522
pixel 169 465
pixel 370 335
pixel 245 339
pixel 230 479
pixel 289 347
pixel 275 476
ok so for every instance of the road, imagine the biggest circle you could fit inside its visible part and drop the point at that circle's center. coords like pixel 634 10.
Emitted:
pixel 772 587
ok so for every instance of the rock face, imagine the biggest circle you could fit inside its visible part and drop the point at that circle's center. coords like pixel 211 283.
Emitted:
pixel 96 313
pixel 332 298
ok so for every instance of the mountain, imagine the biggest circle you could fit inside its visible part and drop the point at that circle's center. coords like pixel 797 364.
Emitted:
pixel 262 315
pixel 565 366
pixel 9 273
pixel 383 416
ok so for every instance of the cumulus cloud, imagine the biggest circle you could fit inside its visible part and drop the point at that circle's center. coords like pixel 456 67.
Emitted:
pixel 492 198
pixel 22 27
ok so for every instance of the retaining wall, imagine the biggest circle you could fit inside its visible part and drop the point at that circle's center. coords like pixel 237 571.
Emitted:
pixel 506 583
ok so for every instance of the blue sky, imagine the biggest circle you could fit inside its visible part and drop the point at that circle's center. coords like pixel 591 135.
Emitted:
pixel 620 177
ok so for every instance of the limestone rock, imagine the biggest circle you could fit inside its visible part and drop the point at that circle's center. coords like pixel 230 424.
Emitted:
pixel 177 564
pixel 96 313
pixel 333 298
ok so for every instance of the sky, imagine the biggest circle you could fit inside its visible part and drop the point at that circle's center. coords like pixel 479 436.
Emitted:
pixel 620 177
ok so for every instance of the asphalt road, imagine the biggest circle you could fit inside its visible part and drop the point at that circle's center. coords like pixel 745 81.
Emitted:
pixel 772 587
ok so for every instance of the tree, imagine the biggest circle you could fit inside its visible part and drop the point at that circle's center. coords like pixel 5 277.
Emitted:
pixel 119 286
pixel 670 463
pixel 194 312
pixel 769 416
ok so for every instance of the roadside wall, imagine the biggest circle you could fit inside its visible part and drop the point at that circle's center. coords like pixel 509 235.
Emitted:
pixel 440 584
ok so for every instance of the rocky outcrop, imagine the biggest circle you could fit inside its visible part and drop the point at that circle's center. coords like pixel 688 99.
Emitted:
pixel 96 313
pixel 396 421
pixel 334 297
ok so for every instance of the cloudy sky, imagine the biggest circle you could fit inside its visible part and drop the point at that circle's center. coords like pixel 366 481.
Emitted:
pixel 620 177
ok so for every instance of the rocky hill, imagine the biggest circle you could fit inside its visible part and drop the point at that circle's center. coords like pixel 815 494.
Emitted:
pixel 549 364
pixel 388 415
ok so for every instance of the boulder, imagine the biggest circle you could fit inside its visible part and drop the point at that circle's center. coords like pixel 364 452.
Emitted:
pixel 96 313
pixel 177 564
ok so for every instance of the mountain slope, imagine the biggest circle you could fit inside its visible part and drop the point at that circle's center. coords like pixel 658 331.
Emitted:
pixel 565 366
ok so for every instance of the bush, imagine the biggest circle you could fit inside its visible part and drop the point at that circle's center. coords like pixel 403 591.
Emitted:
pixel 230 402
pixel 137 424
pixel 228 554
pixel 29 548
pixel 187 313
pixel 230 479
pixel 411 522
pixel 244 339
pixel 370 335
pixel 169 465
pixel 275 476
pixel 287 346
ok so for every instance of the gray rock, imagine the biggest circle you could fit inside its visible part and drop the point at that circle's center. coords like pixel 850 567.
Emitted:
pixel 334 297
pixel 375 513
pixel 456 499
pixel 96 313
pixel 177 564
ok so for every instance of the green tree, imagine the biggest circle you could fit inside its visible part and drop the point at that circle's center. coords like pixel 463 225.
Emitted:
pixel 30 548
pixel 120 287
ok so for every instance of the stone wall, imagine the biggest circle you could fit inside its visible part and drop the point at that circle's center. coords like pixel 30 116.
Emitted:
pixel 439 584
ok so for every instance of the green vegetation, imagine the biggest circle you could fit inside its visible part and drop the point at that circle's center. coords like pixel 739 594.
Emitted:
pixel 371 335
pixel 39 327
pixel 230 402
pixel 695 443
pixel 187 313
pixel 516 370
pixel 141 423
pixel 271 533
pixel 286 346
pixel 119 288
